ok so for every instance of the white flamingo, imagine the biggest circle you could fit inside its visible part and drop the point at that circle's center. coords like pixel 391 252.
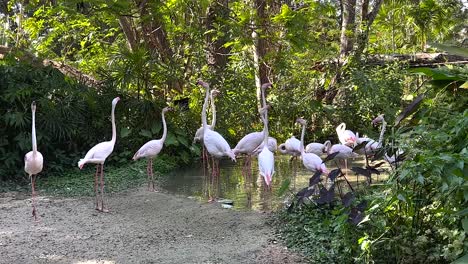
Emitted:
pixel 251 142
pixel 98 155
pixel 311 161
pixel 266 158
pixel 346 137
pixel 317 148
pixel 151 149
pixel 215 144
pixel 33 160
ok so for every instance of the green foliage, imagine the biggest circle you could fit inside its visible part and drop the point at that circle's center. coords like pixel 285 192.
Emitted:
pixel 71 118
pixel 420 214
pixel 322 234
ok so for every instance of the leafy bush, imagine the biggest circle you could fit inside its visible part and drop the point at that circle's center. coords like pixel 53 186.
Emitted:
pixel 71 118
pixel 420 214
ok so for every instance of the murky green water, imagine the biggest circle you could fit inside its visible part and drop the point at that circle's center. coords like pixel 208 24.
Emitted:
pixel 247 193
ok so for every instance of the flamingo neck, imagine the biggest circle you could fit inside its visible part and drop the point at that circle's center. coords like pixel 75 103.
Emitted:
pixel 213 112
pixel 301 147
pixel 382 131
pixel 262 90
pixel 265 129
pixel 114 130
pixel 33 133
pixel 205 105
pixel 163 138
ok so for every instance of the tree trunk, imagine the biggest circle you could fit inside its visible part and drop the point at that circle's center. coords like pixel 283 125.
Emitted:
pixel 367 20
pixel 216 55
pixel 154 34
pixel 348 18
pixel 260 47
pixel 130 32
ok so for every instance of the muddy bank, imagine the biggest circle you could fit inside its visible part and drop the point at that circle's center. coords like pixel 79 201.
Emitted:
pixel 142 227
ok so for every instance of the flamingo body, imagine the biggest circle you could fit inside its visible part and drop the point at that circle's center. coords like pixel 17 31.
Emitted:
pixel 291 146
pixel 346 137
pixel 249 143
pixel 311 161
pixel 97 154
pixel 216 145
pixel 33 163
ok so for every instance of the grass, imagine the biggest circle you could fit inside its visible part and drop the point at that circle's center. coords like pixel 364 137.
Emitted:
pixel 75 182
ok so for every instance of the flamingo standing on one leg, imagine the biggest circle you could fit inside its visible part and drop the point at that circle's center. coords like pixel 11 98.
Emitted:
pixel 33 160
pixel 215 144
pixel 151 149
pixel 97 155
pixel 266 159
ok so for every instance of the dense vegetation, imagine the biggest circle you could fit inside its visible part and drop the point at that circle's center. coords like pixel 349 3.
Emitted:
pixel 327 61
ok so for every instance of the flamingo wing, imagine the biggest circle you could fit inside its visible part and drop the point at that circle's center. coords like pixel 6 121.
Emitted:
pixel 249 143
pixel 217 145
pixel 149 149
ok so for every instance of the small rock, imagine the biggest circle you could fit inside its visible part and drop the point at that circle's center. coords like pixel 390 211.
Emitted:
pixel 226 206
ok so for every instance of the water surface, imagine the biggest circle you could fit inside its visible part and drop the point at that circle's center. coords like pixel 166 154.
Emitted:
pixel 248 192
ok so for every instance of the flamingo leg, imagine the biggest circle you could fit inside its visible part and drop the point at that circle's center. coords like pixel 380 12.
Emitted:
pixel 33 183
pixel 96 189
pixel 103 208
pixel 148 174
pixel 152 175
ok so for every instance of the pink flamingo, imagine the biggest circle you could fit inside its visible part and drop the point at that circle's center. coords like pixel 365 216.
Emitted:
pixel 251 142
pixel 215 144
pixel 33 160
pixel 311 161
pixel 373 145
pixel 346 137
pixel 98 155
pixel 151 149
pixel 266 159
pixel 317 148
pixel 199 132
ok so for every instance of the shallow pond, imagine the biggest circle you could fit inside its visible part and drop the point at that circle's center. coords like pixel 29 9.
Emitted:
pixel 248 192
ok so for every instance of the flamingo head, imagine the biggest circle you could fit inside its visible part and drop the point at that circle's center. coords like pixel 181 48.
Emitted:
pixel 301 121
pixel 282 148
pixel 378 120
pixel 116 100
pixel 167 108
pixel 204 84
pixel 215 92
pixel 33 106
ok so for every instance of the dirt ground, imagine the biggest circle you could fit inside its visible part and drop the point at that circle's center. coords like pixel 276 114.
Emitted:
pixel 142 227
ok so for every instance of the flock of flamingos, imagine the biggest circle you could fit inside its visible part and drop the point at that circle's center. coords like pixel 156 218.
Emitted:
pixel 253 144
